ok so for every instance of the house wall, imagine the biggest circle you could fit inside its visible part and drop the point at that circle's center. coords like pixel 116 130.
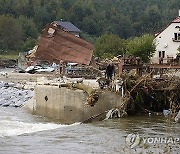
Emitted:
pixel 164 42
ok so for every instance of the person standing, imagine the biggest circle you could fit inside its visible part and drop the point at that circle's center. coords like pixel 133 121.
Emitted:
pixel 110 71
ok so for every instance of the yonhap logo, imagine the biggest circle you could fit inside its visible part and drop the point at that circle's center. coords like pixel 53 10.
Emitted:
pixel 161 140
pixel 133 140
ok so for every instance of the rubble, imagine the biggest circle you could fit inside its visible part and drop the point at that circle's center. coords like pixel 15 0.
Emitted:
pixel 87 72
pixel 113 113
pixel 146 94
pixel 12 96
pixel 39 69
pixel 10 63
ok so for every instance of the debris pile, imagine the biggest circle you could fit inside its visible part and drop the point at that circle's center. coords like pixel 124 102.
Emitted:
pixel 87 72
pixel 151 94
pixel 144 95
pixel 38 69
pixel 8 63
pixel 113 113
pixel 103 82
pixel 93 95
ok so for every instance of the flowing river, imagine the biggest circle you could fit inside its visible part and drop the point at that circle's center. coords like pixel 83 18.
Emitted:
pixel 23 133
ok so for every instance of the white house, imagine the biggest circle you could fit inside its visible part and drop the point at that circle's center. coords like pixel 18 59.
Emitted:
pixel 167 41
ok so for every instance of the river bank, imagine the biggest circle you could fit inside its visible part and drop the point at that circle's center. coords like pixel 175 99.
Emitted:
pixel 12 95
pixel 145 92
pixel 22 132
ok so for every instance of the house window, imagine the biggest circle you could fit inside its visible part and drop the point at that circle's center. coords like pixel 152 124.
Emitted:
pixel 176 37
pixel 159 54
pixel 163 54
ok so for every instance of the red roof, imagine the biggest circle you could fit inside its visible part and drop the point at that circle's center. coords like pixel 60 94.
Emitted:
pixel 63 46
pixel 177 20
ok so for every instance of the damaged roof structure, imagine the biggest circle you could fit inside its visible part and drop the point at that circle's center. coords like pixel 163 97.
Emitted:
pixel 56 44
pixel 68 26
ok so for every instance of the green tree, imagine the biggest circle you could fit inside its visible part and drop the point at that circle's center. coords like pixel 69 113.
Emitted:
pixel 94 17
pixel 143 47
pixel 29 44
pixel 29 28
pixel 42 16
pixel 88 37
pixel 124 28
pixel 150 21
pixel 10 33
pixel 108 46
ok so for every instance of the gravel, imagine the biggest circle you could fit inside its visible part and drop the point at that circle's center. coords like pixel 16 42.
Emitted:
pixel 12 96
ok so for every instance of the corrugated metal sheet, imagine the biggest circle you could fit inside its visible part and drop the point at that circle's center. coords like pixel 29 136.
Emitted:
pixel 64 46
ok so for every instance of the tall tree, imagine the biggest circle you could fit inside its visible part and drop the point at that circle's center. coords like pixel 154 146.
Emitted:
pixel 108 46
pixel 143 47
pixel 10 33
pixel 29 28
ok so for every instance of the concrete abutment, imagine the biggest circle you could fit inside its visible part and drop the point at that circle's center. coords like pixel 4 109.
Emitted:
pixel 68 105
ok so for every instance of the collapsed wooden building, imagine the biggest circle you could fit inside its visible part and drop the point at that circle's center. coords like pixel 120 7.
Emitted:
pixel 58 44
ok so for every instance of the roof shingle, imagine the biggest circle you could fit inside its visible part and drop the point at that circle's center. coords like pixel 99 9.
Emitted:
pixel 177 20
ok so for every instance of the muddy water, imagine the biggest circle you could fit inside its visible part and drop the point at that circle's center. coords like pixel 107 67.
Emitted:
pixel 23 133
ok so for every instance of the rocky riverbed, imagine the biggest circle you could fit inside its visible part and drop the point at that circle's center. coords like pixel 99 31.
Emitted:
pixel 13 95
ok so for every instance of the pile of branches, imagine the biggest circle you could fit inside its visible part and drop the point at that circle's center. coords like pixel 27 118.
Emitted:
pixel 146 94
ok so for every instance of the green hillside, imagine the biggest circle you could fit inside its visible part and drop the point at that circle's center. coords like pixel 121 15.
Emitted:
pixel 21 21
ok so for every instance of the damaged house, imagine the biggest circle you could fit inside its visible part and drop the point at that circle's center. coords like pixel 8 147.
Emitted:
pixel 68 27
pixel 59 41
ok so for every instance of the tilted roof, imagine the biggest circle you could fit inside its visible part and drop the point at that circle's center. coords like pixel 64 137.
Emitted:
pixel 68 25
